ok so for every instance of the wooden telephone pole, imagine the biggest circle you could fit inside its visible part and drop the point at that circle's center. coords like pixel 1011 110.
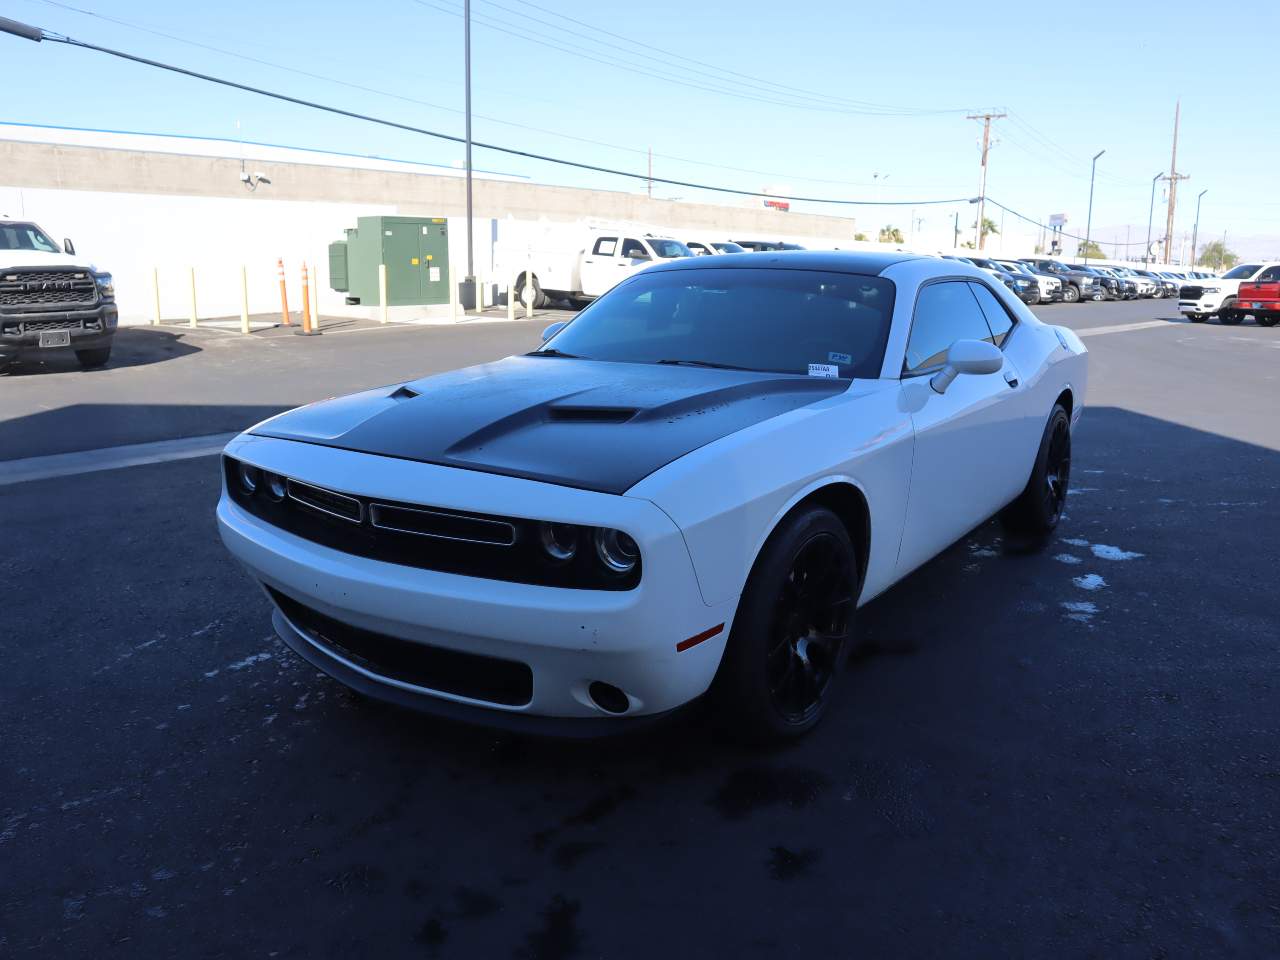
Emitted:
pixel 1173 178
pixel 980 241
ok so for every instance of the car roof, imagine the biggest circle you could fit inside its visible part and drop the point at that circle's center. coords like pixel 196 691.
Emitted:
pixel 835 261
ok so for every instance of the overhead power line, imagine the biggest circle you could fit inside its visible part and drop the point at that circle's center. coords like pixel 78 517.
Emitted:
pixel 33 33
pixel 1062 233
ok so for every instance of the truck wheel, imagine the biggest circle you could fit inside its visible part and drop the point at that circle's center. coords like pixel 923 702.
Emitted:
pixel 529 292
pixel 93 358
pixel 1267 319
pixel 1228 315
pixel 1070 293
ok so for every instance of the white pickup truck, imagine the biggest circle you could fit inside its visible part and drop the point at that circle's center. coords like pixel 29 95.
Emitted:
pixel 1200 299
pixel 51 299
pixel 580 272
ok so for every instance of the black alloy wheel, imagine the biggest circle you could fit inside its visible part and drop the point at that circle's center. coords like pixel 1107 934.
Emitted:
pixel 1039 507
pixel 810 624
pixel 793 627
pixel 1267 318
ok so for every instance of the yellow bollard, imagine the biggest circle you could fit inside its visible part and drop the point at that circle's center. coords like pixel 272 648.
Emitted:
pixel 453 299
pixel 382 291
pixel 511 300
pixel 193 322
pixel 243 300
pixel 315 301
pixel 155 288
pixel 528 292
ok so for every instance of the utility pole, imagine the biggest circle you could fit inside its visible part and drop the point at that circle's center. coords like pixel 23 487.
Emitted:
pixel 1174 177
pixel 955 241
pixel 986 118
pixel 1195 231
pixel 466 34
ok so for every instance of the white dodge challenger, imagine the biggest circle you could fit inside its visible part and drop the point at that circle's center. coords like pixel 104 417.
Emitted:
pixel 687 490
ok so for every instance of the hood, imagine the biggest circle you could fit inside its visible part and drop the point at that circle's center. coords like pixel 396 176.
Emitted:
pixel 17 259
pixel 578 423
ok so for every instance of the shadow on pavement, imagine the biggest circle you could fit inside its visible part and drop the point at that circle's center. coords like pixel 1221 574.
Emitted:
pixel 131 347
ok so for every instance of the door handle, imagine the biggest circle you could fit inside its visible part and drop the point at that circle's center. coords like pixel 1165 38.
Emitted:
pixel 1010 378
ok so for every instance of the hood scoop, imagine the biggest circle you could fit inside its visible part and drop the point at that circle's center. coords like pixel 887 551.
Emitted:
pixel 403 393
pixel 590 414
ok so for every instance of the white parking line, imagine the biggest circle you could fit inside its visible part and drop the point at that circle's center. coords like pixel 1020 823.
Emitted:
pixel 110 458
pixel 1125 328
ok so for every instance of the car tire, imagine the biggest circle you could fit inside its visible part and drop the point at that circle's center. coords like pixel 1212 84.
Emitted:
pixel 89 359
pixel 1228 316
pixel 792 630
pixel 579 303
pixel 1267 318
pixel 1070 293
pixel 1039 507
pixel 534 295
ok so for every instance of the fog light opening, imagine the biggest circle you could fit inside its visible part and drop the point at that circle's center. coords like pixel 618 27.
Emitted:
pixel 275 486
pixel 608 697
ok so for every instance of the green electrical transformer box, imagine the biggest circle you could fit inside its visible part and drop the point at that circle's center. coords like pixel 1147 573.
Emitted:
pixel 415 250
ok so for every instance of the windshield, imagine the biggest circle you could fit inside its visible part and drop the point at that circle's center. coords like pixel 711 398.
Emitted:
pixel 730 247
pixel 784 321
pixel 669 249
pixel 25 236
pixel 1242 272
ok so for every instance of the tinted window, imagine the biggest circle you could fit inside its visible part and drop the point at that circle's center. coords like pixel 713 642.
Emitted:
pixel 945 312
pixel 669 249
pixel 759 319
pixel 729 247
pixel 697 249
pixel 605 246
pixel 633 248
pixel 1270 275
pixel 25 236
pixel 998 318
pixel 1242 272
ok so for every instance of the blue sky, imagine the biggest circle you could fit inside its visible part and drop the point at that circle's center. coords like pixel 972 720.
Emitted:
pixel 788 104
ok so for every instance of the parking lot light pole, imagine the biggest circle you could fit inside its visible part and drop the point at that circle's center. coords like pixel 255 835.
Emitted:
pixel 1147 259
pixel 466 41
pixel 1195 231
pixel 1088 226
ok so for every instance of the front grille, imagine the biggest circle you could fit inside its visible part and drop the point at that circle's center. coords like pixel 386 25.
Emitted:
pixel 471 675
pixel 43 287
pixel 1191 293
pixel 430 538
pixel 35 326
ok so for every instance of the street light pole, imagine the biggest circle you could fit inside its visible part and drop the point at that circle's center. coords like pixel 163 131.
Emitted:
pixel 1147 259
pixel 466 40
pixel 1088 227
pixel 1195 231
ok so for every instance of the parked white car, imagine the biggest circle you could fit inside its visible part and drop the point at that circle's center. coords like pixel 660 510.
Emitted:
pixel 585 269
pixel 702 247
pixel 1201 299
pixel 688 488
pixel 1050 287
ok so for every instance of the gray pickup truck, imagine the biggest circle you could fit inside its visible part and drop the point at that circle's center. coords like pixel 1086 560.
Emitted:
pixel 50 299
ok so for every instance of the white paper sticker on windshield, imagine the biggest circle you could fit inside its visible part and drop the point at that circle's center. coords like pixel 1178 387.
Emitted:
pixel 840 357
pixel 823 370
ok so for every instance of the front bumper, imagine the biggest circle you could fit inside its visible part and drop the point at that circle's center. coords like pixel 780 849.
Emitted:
pixel 568 638
pixel 1203 305
pixel 87 329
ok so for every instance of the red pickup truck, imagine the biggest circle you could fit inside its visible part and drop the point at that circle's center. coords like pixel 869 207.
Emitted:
pixel 1261 299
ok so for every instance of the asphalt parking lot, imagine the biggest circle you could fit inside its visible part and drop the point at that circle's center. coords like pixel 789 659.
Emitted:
pixel 1065 753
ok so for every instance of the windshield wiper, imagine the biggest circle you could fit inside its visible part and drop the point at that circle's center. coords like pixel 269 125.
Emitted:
pixel 553 352
pixel 703 363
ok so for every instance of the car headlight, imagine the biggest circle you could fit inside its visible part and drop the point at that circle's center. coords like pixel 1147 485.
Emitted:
pixel 559 540
pixel 616 550
pixel 106 288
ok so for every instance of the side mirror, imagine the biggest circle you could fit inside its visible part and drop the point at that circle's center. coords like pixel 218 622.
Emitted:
pixel 639 255
pixel 552 330
pixel 967 356
pixel 68 246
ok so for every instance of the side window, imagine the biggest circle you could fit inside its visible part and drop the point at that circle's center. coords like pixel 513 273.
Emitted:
pixel 605 246
pixel 1270 275
pixel 633 248
pixel 998 318
pixel 945 312
pixel 698 249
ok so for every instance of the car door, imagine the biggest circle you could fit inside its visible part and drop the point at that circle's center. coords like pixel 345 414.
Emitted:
pixel 599 266
pixel 633 257
pixel 965 466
